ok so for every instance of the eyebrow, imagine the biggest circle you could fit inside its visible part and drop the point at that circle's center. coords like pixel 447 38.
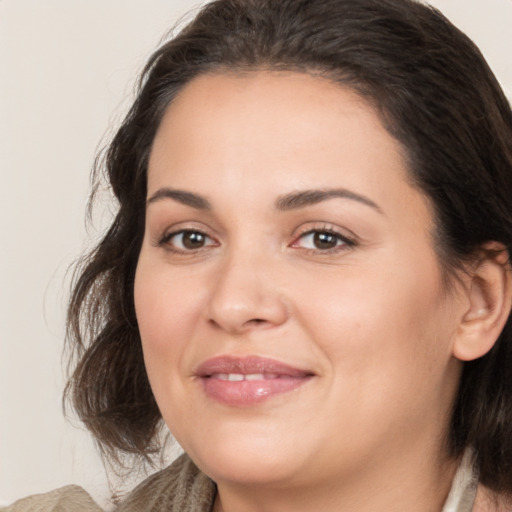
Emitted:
pixel 292 201
pixel 305 198
pixel 181 196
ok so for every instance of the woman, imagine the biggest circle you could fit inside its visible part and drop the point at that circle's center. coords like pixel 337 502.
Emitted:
pixel 308 277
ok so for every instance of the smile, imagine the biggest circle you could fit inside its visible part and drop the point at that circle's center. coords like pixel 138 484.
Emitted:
pixel 242 382
pixel 237 377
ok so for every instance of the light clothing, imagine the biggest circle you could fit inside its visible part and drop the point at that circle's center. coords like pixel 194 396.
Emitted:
pixel 183 488
pixel 463 492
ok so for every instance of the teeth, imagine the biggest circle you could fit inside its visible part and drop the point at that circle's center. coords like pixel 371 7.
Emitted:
pixel 255 376
pixel 237 377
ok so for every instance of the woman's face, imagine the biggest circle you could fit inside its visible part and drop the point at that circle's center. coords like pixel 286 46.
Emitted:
pixel 293 318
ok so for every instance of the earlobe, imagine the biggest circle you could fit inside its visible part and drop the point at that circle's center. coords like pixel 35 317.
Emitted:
pixel 489 302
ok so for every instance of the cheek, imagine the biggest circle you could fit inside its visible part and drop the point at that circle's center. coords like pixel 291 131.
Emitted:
pixel 382 321
pixel 388 347
pixel 167 310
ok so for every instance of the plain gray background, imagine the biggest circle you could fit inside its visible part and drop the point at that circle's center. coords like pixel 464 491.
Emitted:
pixel 67 69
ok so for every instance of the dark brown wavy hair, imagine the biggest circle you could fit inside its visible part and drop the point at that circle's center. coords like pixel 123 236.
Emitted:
pixel 435 94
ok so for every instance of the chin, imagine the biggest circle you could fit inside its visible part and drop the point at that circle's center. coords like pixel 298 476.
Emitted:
pixel 247 458
pixel 261 470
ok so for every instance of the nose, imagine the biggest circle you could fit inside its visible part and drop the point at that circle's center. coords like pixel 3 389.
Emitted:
pixel 245 296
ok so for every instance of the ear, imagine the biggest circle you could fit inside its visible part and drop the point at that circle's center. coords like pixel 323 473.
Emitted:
pixel 489 295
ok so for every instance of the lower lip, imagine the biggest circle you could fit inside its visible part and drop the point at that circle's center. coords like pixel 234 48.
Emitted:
pixel 246 393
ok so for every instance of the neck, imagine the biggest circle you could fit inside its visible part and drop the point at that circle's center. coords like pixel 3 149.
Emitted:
pixel 419 487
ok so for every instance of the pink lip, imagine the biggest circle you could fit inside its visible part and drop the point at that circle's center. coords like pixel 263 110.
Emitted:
pixel 266 378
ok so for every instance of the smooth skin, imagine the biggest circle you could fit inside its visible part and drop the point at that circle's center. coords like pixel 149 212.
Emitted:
pixel 347 286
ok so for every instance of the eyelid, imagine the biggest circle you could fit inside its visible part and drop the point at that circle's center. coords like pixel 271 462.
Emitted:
pixel 163 240
pixel 172 234
pixel 349 240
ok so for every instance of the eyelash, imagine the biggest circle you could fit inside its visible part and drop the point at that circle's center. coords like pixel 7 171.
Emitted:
pixel 343 243
pixel 165 241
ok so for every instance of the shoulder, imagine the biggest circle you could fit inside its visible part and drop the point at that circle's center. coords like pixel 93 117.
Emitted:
pixel 67 498
pixel 181 486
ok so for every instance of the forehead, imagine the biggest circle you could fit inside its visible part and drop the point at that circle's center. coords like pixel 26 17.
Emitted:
pixel 274 131
pixel 266 106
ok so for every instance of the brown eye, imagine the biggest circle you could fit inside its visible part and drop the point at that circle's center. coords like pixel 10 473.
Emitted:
pixel 323 240
pixel 187 240
pixel 193 240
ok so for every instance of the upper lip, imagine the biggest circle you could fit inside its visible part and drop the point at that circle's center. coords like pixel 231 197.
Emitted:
pixel 248 365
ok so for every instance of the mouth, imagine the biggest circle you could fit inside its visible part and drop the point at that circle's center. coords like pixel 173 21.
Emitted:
pixel 246 381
